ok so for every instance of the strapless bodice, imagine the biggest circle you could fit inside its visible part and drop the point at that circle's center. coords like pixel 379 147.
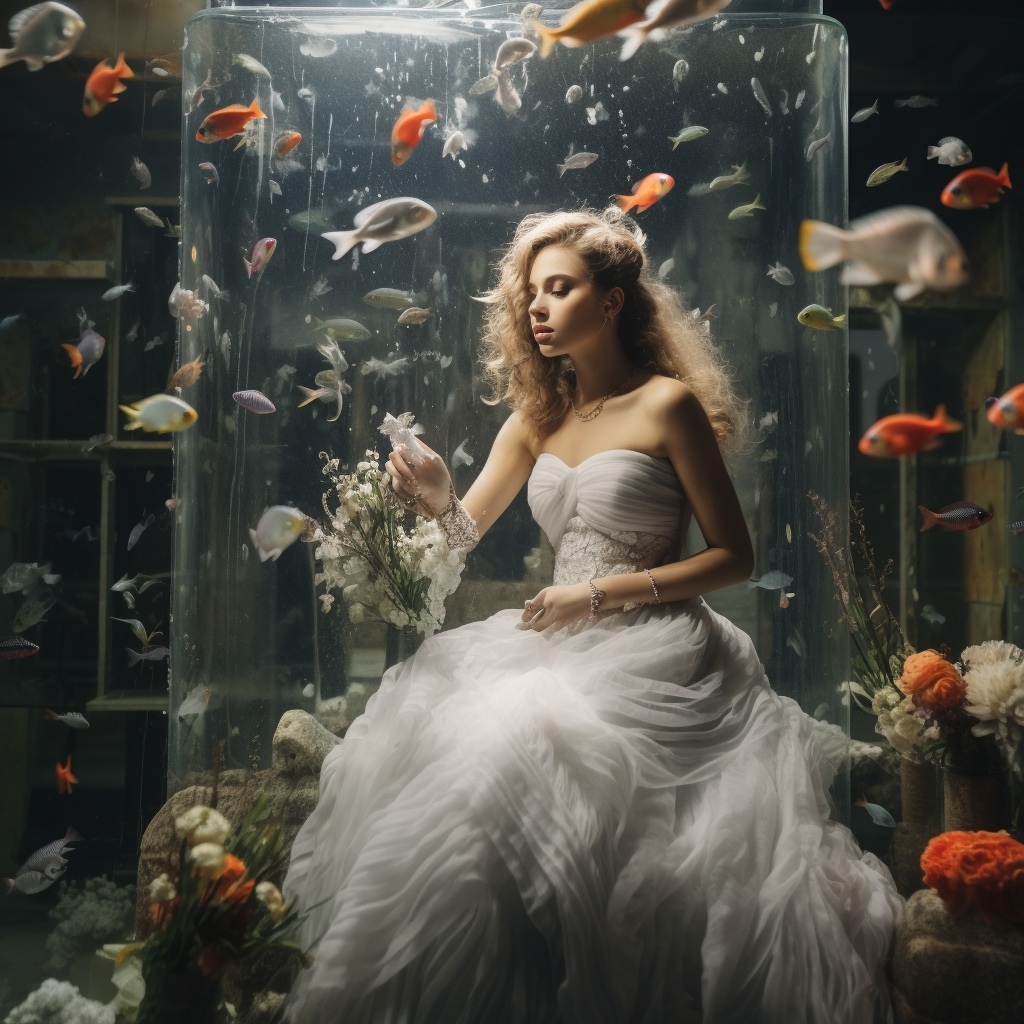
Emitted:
pixel 618 511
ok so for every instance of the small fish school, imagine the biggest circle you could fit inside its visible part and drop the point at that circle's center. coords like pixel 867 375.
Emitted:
pixel 244 259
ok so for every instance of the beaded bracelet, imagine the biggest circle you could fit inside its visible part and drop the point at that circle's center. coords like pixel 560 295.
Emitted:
pixel 630 605
pixel 595 601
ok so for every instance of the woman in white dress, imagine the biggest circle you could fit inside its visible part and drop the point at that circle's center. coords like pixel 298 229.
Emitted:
pixel 595 809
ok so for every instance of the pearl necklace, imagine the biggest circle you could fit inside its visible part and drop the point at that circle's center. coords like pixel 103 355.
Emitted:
pixel 600 405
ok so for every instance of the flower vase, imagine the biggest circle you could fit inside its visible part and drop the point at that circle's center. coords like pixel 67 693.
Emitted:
pixel 920 822
pixel 972 785
pixel 400 642
pixel 175 996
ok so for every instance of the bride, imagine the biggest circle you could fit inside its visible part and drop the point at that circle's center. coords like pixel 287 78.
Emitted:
pixel 593 810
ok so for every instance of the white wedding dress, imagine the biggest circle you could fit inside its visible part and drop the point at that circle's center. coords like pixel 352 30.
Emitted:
pixel 609 823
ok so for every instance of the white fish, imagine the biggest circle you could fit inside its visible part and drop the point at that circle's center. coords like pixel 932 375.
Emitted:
pixel 72 719
pixel 781 274
pixel 573 94
pixel 196 701
pixel 695 131
pixel 415 315
pixel 141 173
pixel 23 576
pixel 666 268
pixel 738 177
pixel 905 245
pixel 759 95
pixel 453 144
pixel 864 113
pixel 275 189
pixel 328 348
pixel 148 217
pixel 279 526
pixel 42 34
pixel 665 14
pixel 460 457
pixel 137 531
pixel 251 64
pixel 306 93
pixel 747 209
pixel 30 882
pixel 382 369
pixel 916 102
pixel 117 291
pixel 511 52
pixel 159 413
pixel 575 162
pixel 774 580
pixel 530 13
pixel 815 144
pixel 49 860
pixel 319 47
pixel 951 151
pixel 383 222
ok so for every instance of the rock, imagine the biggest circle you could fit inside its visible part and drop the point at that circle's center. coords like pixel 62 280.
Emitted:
pixel 300 744
pixel 292 786
pixel 955 970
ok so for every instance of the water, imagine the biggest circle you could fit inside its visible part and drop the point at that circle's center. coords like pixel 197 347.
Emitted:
pixel 253 633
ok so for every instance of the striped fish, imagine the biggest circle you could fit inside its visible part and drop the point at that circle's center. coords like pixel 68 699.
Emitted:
pixel 49 860
pixel 962 515
pixel 29 883
pixel 17 647
pixel 1017 527
pixel 254 401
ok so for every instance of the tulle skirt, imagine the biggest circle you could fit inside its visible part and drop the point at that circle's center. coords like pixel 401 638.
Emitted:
pixel 621 823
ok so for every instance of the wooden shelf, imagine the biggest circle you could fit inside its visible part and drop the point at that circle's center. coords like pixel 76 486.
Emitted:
pixel 120 452
pixel 57 270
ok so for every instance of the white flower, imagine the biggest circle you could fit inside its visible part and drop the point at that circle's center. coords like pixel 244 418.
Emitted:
pixel 269 894
pixel 208 857
pixel 131 988
pixel 327 600
pixel 161 889
pixel 201 824
pixel 356 612
pixel 896 719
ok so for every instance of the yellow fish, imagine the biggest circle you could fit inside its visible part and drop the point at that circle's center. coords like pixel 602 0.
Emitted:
pixel 880 175
pixel 159 413
pixel 820 318
pixel 593 19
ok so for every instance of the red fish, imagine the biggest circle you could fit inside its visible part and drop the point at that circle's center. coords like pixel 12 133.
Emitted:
pixel 285 142
pixel 1007 413
pixel 102 85
pixel 409 129
pixel 962 515
pixel 907 433
pixel 228 122
pixel 886 4
pixel 64 777
pixel 646 192
pixel 975 188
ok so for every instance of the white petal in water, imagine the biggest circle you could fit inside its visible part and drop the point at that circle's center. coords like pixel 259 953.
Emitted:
pixel 460 457
pixel 742 40
pixel 759 54
pixel 319 47
pixel 680 70
pixel 759 95
pixel 666 268
pixel 773 309
pixel 275 189
pixel 723 88
pixel 573 94
pixel 799 98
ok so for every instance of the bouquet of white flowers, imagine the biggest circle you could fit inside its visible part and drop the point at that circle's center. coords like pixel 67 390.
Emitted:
pixel 384 572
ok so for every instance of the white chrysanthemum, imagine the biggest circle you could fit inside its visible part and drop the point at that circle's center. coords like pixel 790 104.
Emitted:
pixel 269 894
pixel 896 719
pixel 995 690
pixel 208 857
pixel 201 824
pixel 162 889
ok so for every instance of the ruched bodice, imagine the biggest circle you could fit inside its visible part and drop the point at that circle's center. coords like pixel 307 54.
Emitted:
pixel 618 511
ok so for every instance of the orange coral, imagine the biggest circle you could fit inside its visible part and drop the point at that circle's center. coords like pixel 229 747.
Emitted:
pixel 983 871
pixel 932 682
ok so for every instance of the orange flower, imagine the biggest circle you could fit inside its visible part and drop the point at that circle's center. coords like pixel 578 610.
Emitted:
pixel 233 869
pixel 161 913
pixel 932 682
pixel 983 871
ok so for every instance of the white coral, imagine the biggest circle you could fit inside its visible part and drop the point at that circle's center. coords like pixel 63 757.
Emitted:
pixel 59 1002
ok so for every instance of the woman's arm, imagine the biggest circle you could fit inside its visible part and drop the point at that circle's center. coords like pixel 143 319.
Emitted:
pixel 692 447
pixel 506 470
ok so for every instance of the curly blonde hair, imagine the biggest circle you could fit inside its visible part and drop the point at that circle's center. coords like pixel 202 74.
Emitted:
pixel 653 326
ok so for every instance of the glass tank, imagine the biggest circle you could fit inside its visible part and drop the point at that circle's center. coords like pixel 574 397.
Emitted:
pixel 250 639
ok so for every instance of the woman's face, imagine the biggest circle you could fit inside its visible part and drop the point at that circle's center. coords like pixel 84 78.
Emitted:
pixel 566 310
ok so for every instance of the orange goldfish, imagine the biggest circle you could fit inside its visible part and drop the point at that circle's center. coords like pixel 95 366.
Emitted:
pixel 64 777
pixel 228 122
pixel 409 129
pixel 1007 413
pixel 976 187
pixel 907 433
pixel 285 142
pixel 593 19
pixel 646 192
pixel 102 85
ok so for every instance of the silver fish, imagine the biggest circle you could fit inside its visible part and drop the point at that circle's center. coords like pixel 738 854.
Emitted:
pixel 339 328
pixel 254 401
pixel 49 860
pixel 738 177
pixel 251 64
pixel 511 52
pixel 951 151
pixel 117 291
pixel 138 529
pixel 916 102
pixel 666 268
pixel 415 315
pixel 97 441
pixel 148 217
pixel 774 580
pixel 42 34
pixel 760 96
pixel 141 173
pixel 150 654
pixel 781 274
pixel 905 245
pixel 23 576
pixel 864 113
pixel 33 610
pixel 880 175
pixel 383 222
pixel 390 298
pixel 747 209
pixel 29 883
pixel 576 162
pixel 72 719
pixel 815 144
pixel 530 13
pixel 695 131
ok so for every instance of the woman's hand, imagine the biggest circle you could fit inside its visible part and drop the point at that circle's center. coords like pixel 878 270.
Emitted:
pixel 557 606
pixel 430 481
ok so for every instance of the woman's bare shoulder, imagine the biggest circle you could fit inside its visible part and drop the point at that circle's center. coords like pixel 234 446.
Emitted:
pixel 667 391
